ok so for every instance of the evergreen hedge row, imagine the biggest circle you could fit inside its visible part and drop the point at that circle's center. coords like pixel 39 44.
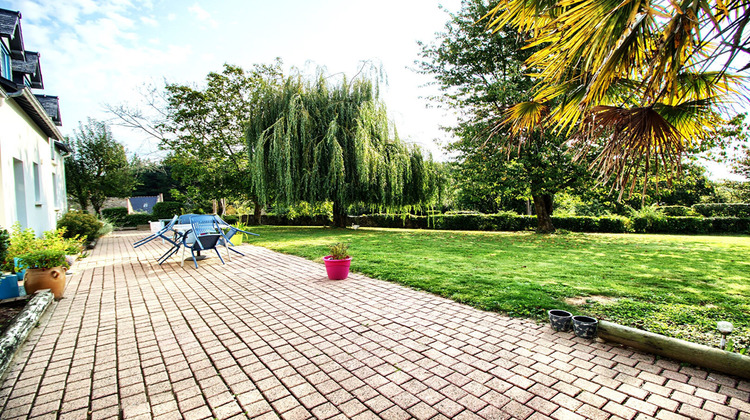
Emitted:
pixel 723 209
pixel 609 224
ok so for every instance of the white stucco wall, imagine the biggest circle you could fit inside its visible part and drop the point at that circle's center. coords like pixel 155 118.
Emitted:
pixel 23 143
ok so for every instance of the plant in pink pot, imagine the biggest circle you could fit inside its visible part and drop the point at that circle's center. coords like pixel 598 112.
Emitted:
pixel 337 264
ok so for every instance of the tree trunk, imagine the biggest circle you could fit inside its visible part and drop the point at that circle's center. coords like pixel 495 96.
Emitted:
pixel 543 208
pixel 339 215
pixel 257 213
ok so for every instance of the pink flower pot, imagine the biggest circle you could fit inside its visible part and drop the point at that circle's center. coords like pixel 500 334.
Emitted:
pixel 337 269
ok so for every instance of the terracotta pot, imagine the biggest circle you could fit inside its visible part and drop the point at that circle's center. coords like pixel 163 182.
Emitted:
pixel 43 278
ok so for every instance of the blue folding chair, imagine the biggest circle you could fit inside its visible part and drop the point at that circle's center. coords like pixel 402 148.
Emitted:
pixel 163 234
pixel 226 239
pixel 185 218
pixel 205 234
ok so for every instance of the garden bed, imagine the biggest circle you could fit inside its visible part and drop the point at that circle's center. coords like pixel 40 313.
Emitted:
pixel 9 309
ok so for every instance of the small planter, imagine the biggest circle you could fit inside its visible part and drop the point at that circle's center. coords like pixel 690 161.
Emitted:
pixel 585 326
pixel 19 273
pixel 559 319
pixel 237 239
pixel 337 269
pixel 45 278
pixel 9 287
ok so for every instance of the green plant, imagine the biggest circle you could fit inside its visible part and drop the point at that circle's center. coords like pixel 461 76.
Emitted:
pixel 136 219
pixel 43 258
pixel 107 226
pixel 4 244
pixel 21 242
pixel 339 251
pixel 240 226
pixel 56 240
pixel 723 209
pixel 115 214
pixel 80 224
pixel 167 209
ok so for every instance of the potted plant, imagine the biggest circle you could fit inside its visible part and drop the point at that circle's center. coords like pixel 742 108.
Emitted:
pixel 45 269
pixel 337 264
pixel 21 242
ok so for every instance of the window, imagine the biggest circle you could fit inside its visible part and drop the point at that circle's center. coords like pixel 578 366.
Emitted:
pixel 55 186
pixel 5 69
pixel 37 185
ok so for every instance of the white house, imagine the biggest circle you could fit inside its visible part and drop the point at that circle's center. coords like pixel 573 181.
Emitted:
pixel 32 168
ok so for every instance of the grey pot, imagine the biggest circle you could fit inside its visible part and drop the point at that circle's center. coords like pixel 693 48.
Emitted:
pixel 585 326
pixel 559 319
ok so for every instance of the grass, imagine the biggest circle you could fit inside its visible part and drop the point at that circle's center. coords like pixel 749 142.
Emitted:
pixel 674 285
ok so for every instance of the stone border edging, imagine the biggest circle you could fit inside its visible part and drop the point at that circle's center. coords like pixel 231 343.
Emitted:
pixel 674 348
pixel 19 330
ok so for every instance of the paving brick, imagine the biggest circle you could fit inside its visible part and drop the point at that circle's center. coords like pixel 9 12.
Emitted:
pixel 272 332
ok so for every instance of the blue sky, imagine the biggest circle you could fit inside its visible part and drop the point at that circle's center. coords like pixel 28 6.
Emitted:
pixel 103 51
pixel 96 52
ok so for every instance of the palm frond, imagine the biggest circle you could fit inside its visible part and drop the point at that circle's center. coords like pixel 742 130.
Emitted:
pixel 633 139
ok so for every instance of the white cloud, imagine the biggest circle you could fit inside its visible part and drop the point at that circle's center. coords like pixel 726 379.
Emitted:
pixel 149 21
pixel 203 15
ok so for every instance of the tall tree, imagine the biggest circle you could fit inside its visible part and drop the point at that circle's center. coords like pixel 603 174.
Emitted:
pixel 632 79
pixel 481 74
pixel 204 129
pixel 98 166
pixel 317 141
pixel 209 126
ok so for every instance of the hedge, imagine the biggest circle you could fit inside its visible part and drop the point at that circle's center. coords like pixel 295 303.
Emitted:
pixel 677 211
pixel 167 209
pixel 506 222
pixel 133 220
pixel 611 224
pixel 723 209
pixel 116 215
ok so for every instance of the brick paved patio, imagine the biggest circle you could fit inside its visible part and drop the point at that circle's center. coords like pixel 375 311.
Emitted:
pixel 268 336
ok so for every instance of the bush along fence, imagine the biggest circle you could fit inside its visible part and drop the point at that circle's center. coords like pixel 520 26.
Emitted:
pixel 612 224
pixel 503 222
pixel 509 222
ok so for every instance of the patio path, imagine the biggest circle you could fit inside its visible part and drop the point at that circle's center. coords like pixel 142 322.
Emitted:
pixel 267 336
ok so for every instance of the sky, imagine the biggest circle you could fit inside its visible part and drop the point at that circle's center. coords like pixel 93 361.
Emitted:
pixel 97 52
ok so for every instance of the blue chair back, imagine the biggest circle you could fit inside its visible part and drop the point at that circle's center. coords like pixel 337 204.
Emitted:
pixel 206 231
pixel 186 218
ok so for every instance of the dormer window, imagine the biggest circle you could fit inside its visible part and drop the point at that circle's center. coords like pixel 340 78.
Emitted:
pixel 6 71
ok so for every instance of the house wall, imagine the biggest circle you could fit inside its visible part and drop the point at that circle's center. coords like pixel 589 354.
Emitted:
pixel 22 145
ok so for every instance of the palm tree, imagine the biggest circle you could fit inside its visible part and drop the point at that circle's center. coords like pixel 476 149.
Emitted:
pixel 639 81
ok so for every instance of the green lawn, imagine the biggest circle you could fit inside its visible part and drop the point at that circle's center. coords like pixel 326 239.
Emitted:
pixel 674 285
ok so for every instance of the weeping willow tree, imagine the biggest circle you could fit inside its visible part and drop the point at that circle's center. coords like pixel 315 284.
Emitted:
pixel 318 141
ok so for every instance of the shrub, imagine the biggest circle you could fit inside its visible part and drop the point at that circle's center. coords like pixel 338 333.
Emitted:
pixel 56 240
pixel 78 223
pixel 4 244
pixel 133 220
pixel 107 226
pixel 43 258
pixel 231 219
pixel 22 241
pixel 167 209
pixel 677 211
pixel 723 209
pixel 116 215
